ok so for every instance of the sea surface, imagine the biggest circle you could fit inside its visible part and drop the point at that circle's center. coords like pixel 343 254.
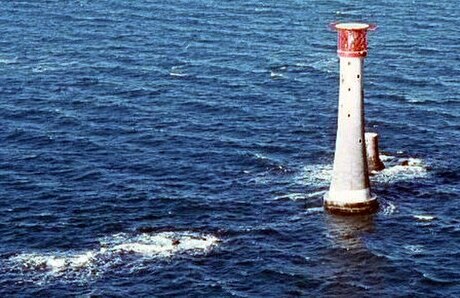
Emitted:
pixel 182 148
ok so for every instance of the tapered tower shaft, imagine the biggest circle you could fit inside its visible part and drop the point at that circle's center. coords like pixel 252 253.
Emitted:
pixel 349 191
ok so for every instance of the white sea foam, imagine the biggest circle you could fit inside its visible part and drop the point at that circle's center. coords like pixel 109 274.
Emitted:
pixel 325 64
pixel 163 244
pixel 320 193
pixel 92 263
pixel 318 175
pixel 260 156
pixel 292 196
pixel 414 249
pixel 8 60
pixel 177 74
pixel 406 169
pixel 384 157
pixel 424 217
pixel 321 63
pixel 56 263
pixel 275 74
pixel 314 210
pixel 387 208
pixel 177 71
pixel 296 196
pixel 396 170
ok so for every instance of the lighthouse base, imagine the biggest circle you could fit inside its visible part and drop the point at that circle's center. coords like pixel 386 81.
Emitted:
pixel 351 208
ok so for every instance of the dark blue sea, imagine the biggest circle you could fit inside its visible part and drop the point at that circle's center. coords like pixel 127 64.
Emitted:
pixel 182 148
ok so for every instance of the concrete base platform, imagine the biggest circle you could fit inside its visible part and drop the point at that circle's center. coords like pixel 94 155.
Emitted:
pixel 367 207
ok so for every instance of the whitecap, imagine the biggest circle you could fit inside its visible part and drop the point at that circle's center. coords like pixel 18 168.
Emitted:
pixel 424 217
pixel 320 193
pixel 314 210
pixel 274 74
pixel 387 208
pixel 177 71
pixel 385 157
pixel 292 196
pixel 296 196
pixel 177 74
pixel 414 249
pixel 8 60
pixel 260 156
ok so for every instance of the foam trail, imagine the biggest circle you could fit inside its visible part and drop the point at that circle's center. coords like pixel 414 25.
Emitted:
pixel 112 251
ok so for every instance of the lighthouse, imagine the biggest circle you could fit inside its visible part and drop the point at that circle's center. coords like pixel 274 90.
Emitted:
pixel 350 192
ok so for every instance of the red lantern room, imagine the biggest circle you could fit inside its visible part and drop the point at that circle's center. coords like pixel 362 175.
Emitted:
pixel 352 39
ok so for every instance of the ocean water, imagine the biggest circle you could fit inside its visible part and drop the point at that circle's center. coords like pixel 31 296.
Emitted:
pixel 182 148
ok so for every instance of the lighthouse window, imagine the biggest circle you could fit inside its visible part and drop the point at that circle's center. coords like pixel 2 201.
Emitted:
pixel 349 63
pixel 349 89
pixel 348 115
pixel 360 141
pixel 357 76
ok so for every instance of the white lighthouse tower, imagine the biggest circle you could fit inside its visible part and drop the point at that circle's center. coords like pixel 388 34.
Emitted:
pixel 350 192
